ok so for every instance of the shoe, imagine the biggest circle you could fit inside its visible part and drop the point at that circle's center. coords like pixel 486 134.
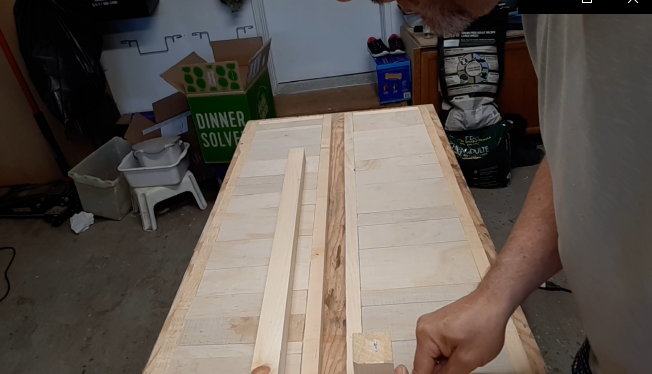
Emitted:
pixel 396 46
pixel 376 47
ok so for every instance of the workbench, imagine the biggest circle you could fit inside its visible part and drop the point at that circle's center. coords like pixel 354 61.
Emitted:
pixel 330 236
pixel 518 93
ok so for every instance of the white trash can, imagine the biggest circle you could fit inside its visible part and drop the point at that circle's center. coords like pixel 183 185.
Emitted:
pixel 102 189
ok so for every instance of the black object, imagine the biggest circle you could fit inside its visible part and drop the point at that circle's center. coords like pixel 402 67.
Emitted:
pixel 55 202
pixel 524 150
pixel 376 47
pixel 7 269
pixel 418 28
pixel 112 10
pixel 484 155
pixel 552 286
pixel 62 48
pixel 396 45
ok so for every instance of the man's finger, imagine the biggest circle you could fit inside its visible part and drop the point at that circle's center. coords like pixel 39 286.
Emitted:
pixel 424 358
pixel 401 369
pixel 455 365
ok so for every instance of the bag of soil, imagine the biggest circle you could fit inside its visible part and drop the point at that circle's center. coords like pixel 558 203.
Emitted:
pixel 471 72
pixel 484 155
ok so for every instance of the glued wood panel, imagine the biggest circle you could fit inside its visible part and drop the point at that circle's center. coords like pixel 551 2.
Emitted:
pixel 411 233
pixel 385 120
pixel 383 197
pixel 407 215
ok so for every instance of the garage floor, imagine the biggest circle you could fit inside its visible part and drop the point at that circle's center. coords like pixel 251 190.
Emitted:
pixel 95 302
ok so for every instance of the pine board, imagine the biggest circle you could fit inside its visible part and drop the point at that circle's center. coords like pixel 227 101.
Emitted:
pixel 382 194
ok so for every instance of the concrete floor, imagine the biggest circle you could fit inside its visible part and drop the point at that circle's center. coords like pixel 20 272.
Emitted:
pixel 95 302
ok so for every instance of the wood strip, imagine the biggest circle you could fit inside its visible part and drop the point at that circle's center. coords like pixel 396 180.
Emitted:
pixel 352 262
pixel 312 335
pixel 170 335
pixel 270 350
pixel 372 353
pixel 519 341
pixel 334 314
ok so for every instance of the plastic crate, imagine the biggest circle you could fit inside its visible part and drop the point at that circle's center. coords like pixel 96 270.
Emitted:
pixel 102 190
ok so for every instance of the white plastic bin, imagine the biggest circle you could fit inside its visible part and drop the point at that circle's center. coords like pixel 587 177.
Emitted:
pixel 154 176
pixel 102 190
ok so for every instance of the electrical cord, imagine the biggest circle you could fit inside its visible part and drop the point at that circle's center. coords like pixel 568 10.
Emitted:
pixel 552 286
pixel 7 269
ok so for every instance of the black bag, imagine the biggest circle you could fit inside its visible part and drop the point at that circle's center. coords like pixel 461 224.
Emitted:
pixel 62 48
pixel 484 155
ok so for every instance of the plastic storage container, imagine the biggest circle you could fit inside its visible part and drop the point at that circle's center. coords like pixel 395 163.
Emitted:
pixel 152 176
pixel 102 190
pixel 158 151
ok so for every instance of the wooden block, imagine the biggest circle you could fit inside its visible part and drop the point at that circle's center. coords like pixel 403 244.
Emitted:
pixel 393 162
pixel 413 132
pixel 449 292
pixel 250 203
pixel 232 281
pixel 383 197
pixel 270 350
pixel 407 215
pixel 289 137
pixel 398 320
pixel 383 120
pixel 398 173
pixel 372 353
pixel 307 220
pixel 411 233
pixel 352 262
pixel 417 266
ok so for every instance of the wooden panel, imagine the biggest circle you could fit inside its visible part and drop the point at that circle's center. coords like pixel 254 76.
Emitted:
pixel 386 198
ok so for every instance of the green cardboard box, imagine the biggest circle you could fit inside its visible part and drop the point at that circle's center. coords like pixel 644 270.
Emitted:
pixel 226 94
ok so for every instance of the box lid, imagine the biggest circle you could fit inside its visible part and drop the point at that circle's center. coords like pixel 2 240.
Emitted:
pixel 391 60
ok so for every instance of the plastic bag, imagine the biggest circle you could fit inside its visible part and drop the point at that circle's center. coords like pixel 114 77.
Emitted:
pixel 471 72
pixel 62 48
pixel 484 155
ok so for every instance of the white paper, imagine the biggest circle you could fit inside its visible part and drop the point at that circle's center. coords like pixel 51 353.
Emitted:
pixel 81 221
pixel 177 127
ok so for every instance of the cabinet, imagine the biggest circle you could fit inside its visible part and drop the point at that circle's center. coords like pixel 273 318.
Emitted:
pixel 518 93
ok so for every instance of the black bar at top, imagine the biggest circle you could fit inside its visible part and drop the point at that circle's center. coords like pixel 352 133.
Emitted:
pixel 585 6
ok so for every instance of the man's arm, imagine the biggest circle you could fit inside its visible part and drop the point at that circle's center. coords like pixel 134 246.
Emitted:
pixel 471 332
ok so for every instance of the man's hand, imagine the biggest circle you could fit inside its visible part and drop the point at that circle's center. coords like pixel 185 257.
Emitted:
pixel 460 337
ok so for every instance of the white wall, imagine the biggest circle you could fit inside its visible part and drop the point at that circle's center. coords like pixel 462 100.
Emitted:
pixel 134 78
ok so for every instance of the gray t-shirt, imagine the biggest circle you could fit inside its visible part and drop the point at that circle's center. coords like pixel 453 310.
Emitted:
pixel 595 105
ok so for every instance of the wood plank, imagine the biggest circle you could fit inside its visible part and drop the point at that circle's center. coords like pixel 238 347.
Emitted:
pixel 262 168
pixel 170 335
pixel 382 163
pixel 521 339
pixel 270 350
pixel 285 123
pixel 239 305
pixel 232 330
pixel 369 148
pixel 399 173
pixel 232 358
pixel 407 215
pixel 399 320
pixel 417 266
pixel 238 226
pixel 312 336
pixel 449 292
pixel 334 313
pixel 388 119
pixel 352 262
pixel 401 195
pixel 272 152
pixel 372 353
pixel 309 183
pixel 411 233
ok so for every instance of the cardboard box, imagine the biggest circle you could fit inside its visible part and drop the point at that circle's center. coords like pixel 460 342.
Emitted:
pixel 225 94
pixel 394 79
